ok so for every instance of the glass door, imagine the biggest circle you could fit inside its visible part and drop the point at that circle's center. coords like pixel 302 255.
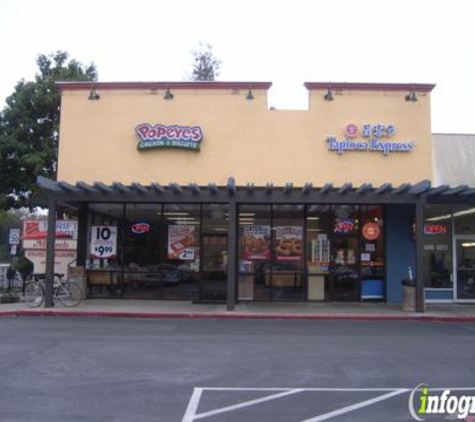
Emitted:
pixel 344 262
pixel 344 269
pixel 215 267
pixel 465 268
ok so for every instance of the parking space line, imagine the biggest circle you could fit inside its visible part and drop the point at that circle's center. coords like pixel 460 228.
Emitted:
pixel 246 404
pixel 193 405
pixel 191 414
pixel 354 390
pixel 356 406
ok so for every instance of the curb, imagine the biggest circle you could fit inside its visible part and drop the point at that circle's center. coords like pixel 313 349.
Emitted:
pixel 240 315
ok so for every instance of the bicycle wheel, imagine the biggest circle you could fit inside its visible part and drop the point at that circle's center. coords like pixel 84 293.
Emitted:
pixel 69 294
pixel 34 294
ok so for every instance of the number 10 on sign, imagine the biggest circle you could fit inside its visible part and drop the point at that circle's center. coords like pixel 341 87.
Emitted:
pixel 103 241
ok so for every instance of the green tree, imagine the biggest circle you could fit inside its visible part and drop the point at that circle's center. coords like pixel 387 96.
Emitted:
pixel 29 127
pixel 8 220
pixel 206 65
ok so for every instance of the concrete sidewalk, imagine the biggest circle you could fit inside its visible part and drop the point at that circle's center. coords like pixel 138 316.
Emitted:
pixel 258 310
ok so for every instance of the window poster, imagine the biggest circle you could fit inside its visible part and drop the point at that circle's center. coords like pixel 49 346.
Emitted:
pixel 103 242
pixel 321 250
pixel 288 243
pixel 256 242
pixel 182 242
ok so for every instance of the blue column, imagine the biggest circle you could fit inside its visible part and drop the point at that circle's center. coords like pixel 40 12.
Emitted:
pixel 400 248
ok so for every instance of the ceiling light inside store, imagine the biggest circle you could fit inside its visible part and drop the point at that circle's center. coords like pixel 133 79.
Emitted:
pixel 448 216
pixel 175 213
pixel 313 218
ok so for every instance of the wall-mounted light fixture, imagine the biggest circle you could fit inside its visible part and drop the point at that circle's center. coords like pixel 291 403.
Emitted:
pixel 250 95
pixel 168 95
pixel 412 97
pixel 93 95
pixel 328 96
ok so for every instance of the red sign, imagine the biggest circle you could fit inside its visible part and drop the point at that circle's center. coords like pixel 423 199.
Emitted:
pixel 371 231
pixel 435 229
pixel 344 225
pixel 140 228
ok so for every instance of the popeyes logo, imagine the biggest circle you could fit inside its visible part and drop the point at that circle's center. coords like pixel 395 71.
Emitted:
pixel 163 136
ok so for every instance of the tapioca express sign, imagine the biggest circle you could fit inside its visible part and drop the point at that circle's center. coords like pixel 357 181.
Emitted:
pixel 173 136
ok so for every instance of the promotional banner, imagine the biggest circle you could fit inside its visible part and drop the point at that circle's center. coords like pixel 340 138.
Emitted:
pixel 34 244
pixel 61 260
pixel 256 242
pixel 103 241
pixel 182 242
pixel 288 243
pixel 34 229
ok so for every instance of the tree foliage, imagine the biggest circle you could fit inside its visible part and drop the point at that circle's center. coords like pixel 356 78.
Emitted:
pixel 8 220
pixel 29 127
pixel 206 65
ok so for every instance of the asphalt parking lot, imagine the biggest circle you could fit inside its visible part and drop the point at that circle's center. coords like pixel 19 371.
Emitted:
pixel 60 369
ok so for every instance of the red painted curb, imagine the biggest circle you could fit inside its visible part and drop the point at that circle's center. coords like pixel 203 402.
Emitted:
pixel 233 315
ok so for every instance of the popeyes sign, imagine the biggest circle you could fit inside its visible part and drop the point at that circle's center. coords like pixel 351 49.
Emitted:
pixel 163 136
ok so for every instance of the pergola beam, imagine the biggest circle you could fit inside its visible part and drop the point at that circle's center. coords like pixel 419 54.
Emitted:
pixel 307 188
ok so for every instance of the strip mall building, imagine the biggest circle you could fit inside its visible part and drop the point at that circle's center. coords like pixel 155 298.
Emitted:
pixel 200 192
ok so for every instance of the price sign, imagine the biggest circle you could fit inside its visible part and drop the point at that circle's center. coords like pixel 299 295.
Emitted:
pixel 14 237
pixel 187 255
pixel 103 241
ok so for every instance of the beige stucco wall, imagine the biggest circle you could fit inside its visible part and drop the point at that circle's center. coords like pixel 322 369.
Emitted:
pixel 241 138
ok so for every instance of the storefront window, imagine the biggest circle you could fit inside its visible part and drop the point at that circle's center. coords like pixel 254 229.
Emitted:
pixel 287 252
pixel 180 251
pixel 438 246
pixel 254 252
pixel 104 250
pixel 214 252
pixel 464 220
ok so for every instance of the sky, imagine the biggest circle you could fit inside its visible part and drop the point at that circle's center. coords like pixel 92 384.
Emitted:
pixel 284 42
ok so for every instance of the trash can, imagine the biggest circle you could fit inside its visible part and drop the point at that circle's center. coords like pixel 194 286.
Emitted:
pixel 409 295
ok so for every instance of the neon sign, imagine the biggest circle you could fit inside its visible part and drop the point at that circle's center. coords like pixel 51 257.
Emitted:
pixel 432 229
pixel 344 225
pixel 140 227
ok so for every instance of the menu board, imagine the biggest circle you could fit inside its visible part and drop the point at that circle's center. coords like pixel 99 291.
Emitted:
pixel 288 243
pixel 256 242
pixel 182 242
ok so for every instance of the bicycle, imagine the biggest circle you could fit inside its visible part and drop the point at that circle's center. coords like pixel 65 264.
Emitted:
pixel 67 293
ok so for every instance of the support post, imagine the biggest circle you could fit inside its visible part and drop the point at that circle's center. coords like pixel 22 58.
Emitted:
pixel 232 255
pixel 82 236
pixel 50 240
pixel 420 295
